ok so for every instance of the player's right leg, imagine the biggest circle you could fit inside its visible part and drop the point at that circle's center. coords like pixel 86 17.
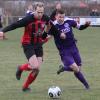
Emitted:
pixel 21 68
pixel 67 60
pixel 28 51
pixel 61 69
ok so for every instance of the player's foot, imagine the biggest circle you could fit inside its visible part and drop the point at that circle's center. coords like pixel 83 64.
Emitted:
pixel 87 87
pixel 18 73
pixel 26 89
pixel 61 69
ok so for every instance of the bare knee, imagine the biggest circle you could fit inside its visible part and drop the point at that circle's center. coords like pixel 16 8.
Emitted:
pixel 34 63
pixel 75 68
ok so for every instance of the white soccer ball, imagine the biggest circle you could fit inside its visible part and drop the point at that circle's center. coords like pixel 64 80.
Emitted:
pixel 54 92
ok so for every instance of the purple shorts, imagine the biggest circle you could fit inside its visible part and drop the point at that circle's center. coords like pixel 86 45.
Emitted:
pixel 70 55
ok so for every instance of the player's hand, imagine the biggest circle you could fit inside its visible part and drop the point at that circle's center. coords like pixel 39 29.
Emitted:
pixel 1 34
pixel 63 36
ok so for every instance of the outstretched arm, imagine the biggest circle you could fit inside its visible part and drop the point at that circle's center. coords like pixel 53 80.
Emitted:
pixel 20 23
pixel 82 27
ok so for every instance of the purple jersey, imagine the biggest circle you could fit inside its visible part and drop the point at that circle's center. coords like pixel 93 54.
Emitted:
pixel 66 28
pixel 67 47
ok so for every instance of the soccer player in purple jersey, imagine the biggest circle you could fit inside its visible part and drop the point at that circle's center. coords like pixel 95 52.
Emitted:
pixel 66 44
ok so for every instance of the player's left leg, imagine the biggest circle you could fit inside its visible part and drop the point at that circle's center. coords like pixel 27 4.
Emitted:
pixel 32 76
pixel 79 75
pixel 33 61
pixel 77 69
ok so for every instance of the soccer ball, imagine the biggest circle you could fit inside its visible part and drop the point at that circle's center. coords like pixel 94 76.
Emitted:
pixel 54 92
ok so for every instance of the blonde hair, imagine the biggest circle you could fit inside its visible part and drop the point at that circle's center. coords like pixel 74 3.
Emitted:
pixel 39 4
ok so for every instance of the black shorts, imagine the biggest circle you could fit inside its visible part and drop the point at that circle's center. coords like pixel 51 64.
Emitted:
pixel 31 50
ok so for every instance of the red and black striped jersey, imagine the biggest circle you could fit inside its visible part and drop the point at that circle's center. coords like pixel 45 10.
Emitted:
pixel 33 28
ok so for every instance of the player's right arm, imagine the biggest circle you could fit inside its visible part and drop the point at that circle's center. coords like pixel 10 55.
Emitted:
pixel 20 23
pixel 50 31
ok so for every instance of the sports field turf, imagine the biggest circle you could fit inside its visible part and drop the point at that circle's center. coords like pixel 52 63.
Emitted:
pixel 11 55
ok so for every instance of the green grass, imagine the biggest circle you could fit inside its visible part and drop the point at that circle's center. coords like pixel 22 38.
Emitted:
pixel 11 55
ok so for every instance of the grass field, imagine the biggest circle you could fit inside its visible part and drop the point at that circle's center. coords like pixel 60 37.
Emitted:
pixel 11 55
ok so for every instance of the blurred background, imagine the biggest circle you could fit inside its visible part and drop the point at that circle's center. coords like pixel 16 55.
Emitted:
pixel 12 10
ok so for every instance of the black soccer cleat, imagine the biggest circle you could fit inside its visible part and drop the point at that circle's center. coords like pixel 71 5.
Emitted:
pixel 18 73
pixel 87 87
pixel 26 89
pixel 61 69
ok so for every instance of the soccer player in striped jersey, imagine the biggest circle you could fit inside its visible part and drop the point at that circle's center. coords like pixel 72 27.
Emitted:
pixel 32 42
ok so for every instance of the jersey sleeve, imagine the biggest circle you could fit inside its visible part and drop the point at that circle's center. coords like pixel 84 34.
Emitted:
pixel 20 23
pixel 47 20
pixel 54 30
pixel 73 23
pixel 52 16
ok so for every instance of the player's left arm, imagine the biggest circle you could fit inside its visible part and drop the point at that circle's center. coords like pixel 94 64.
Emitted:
pixel 79 26
pixel 82 27
pixel 47 34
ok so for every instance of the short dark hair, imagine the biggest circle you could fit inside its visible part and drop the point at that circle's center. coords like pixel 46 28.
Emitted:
pixel 61 11
pixel 39 4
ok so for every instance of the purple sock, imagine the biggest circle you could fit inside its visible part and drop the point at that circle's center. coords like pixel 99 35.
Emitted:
pixel 80 77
